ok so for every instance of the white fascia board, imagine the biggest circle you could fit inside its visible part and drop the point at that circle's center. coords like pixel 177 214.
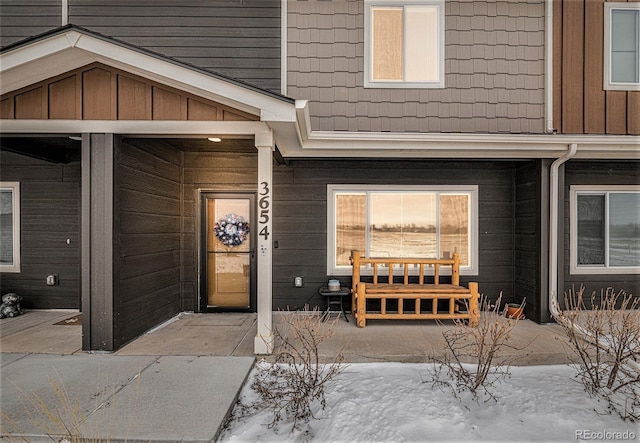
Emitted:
pixel 80 49
pixel 136 127
pixel 386 145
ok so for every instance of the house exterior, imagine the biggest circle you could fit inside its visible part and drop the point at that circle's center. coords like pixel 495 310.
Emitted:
pixel 170 156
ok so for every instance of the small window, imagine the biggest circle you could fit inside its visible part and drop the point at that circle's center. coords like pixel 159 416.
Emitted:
pixel 9 227
pixel 605 230
pixel 622 46
pixel 393 221
pixel 404 44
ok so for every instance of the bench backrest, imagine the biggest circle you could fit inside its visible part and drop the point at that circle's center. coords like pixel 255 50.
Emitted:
pixel 357 261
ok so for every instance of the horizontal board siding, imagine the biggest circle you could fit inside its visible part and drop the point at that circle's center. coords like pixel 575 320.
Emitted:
pixel 20 19
pixel 147 212
pixel 494 70
pixel 596 173
pixel 239 39
pixel 300 218
pixel 527 238
pixel 50 214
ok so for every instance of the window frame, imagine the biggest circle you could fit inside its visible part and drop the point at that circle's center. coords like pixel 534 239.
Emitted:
pixel 334 189
pixel 576 190
pixel 368 46
pixel 608 84
pixel 14 187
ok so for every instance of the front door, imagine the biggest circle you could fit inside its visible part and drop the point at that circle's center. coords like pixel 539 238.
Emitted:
pixel 228 259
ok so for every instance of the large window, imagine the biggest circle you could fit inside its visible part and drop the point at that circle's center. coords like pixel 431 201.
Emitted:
pixel 9 227
pixel 404 43
pixel 605 229
pixel 622 46
pixel 401 221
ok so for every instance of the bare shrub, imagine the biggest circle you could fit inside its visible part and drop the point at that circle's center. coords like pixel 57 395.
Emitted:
pixel 297 380
pixel 473 358
pixel 604 332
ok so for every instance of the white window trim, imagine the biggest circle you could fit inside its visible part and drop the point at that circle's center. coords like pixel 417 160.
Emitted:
pixel 607 83
pixel 14 187
pixel 332 189
pixel 368 81
pixel 574 268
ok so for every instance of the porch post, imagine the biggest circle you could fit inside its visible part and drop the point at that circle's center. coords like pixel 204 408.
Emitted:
pixel 97 242
pixel 263 343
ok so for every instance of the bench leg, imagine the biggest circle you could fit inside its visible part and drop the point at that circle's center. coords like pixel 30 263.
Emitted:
pixel 361 308
pixel 474 308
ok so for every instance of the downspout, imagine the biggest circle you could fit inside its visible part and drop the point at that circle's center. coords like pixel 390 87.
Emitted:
pixel 553 228
pixel 548 67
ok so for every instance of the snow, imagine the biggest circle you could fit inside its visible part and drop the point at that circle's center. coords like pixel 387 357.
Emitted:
pixel 390 402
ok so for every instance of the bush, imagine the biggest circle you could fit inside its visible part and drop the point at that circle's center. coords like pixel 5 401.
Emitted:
pixel 473 359
pixel 604 333
pixel 297 380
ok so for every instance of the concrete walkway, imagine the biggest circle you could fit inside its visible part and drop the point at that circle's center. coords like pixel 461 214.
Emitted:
pixel 180 381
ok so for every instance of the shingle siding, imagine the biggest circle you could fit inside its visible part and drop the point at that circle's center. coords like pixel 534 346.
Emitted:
pixel 494 70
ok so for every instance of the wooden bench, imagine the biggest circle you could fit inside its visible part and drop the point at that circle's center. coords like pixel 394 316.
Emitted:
pixel 407 292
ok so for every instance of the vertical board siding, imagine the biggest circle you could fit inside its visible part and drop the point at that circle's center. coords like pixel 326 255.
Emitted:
pixel 581 105
pixel 208 171
pixel 50 214
pixel 300 218
pixel 99 92
pixel 147 212
pixel 20 19
pixel 597 173
pixel 494 70
pixel 239 39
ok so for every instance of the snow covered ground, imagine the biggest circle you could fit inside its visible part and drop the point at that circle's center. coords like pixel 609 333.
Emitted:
pixel 389 402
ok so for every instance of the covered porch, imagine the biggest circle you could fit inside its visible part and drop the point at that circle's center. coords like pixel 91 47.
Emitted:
pixel 232 334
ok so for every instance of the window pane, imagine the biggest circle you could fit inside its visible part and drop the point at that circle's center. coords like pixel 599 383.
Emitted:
pixel 624 46
pixel 624 229
pixel 6 227
pixel 591 226
pixel 402 225
pixel 421 39
pixel 454 226
pixel 351 220
pixel 387 44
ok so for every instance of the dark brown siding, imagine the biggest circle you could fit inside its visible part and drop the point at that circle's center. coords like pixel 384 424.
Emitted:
pixel 597 173
pixel 20 19
pixel 50 215
pixel 99 92
pixel 147 221
pixel 581 105
pixel 209 171
pixel 240 39
pixel 300 222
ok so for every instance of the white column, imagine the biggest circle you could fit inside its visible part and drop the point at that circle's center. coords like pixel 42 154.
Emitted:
pixel 263 343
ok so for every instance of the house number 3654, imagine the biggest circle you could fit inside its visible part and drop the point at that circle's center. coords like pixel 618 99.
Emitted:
pixel 264 204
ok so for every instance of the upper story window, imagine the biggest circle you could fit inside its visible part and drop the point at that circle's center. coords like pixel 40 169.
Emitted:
pixel 605 229
pixel 622 46
pixel 404 43
pixel 402 221
pixel 9 227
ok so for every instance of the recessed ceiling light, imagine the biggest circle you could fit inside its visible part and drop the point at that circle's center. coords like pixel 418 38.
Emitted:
pixel 215 139
pixel 75 137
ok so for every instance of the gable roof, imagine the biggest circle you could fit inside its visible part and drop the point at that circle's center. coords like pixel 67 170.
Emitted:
pixel 69 47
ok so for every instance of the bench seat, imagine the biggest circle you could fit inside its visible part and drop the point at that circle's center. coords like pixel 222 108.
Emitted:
pixel 411 300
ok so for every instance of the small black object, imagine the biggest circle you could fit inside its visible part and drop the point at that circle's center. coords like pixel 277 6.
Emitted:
pixel 334 298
